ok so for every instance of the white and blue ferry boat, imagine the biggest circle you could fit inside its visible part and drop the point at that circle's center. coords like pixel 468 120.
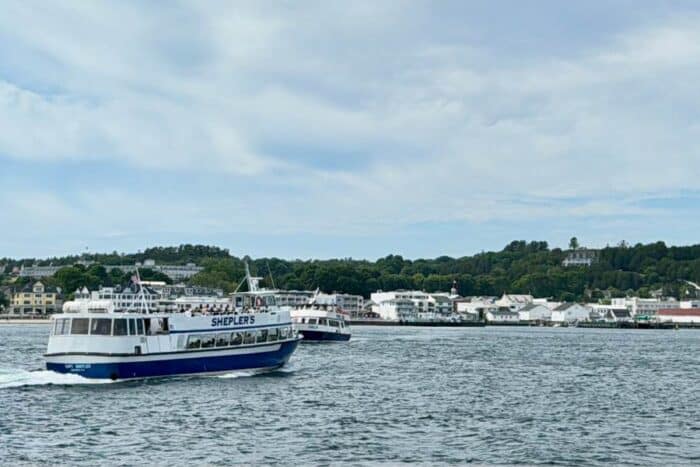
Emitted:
pixel 93 340
pixel 321 322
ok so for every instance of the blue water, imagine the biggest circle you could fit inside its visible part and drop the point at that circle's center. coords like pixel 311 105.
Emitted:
pixel 492 395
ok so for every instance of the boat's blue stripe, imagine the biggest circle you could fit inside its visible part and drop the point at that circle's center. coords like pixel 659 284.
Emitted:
pixel 185 331
pixel 124 370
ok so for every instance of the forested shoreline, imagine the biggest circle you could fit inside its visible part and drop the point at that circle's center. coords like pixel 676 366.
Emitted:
pixel 520 267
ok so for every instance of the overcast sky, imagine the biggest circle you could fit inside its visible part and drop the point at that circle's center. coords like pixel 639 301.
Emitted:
pixel 320 129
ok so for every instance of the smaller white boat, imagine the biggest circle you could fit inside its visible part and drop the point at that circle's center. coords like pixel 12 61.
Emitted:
pixel 321 322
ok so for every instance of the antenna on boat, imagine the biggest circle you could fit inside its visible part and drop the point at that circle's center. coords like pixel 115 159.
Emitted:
pixel 253 282
pixel 272 279
pixel 143 305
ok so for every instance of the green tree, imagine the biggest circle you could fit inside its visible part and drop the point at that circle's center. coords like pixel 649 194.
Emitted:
pixel 573 243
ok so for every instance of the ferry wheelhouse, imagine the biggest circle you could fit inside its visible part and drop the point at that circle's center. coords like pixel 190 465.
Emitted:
pixel 94 340
pixel 321 322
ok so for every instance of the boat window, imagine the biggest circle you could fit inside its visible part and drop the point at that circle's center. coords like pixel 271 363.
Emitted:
pixel 322 321
pixel 80 326
pixel 249 337
pixel 162 326
pixel 262 335
pixel 334 323
pixel 62 326
pixel 236 338
pixel 272 335
pixel 56 327
pixel 312 320
pixel 120 328
pixel 283 333
pixel 139 327
pixel 132 327
pixel 222 340
pixel 207 341
pixel 101 326
pixel 193 342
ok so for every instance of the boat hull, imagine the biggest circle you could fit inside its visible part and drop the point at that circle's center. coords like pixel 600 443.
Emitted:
pixel 172 364
pixel 312 335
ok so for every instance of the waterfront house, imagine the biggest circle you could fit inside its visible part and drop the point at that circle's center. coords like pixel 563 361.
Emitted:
pixel 475 308
pixel 568 312
pixel 36 299
pixel 502 316
pixel 428 305
pixel 534 312
pixel 644 306
pixel 679 315
pixel 618 316
pixel 397 309
pixel 514 302
pixel 349 303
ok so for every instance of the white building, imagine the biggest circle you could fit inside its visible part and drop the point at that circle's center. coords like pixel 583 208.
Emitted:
pixel 183 290
pixel 396 309
pixel 475 307
pixel 427 305
pixel 580 257
pixel 644 306
pixel 38 272
pixel 176 272
pixel 514 302
pixel 292 297
pixel 535 312
pixel 502 317
pixel 618 316
pixel 600 312
pixel 546 302
pixel 569 312
pixel 349 303
pixel 679 315
pixel 122 298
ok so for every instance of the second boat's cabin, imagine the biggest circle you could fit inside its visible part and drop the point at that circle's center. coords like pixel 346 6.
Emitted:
pixel 311 321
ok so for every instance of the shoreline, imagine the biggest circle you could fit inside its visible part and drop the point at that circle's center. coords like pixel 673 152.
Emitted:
pixel 4 320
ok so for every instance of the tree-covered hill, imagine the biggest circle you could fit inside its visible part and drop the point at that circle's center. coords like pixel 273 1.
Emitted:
pixel 521 267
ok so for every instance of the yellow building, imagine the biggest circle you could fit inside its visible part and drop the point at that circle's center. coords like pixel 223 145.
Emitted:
pixel 36 299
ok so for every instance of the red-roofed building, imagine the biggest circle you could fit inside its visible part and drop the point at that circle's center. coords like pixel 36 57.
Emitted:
pixel 679 315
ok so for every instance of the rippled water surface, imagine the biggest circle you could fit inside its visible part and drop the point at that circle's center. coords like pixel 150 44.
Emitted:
pixel 484 395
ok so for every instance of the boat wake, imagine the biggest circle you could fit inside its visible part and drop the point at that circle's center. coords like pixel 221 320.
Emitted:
pixel 285 370
pixel 16 378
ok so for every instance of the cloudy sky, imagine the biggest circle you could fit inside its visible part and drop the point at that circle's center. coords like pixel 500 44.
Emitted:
pixel 336 129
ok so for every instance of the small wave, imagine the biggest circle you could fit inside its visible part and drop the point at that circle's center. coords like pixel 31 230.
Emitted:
pixel 237 374
pixel 15 378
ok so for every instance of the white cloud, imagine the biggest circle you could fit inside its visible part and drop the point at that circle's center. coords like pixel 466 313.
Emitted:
pixel 437 130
